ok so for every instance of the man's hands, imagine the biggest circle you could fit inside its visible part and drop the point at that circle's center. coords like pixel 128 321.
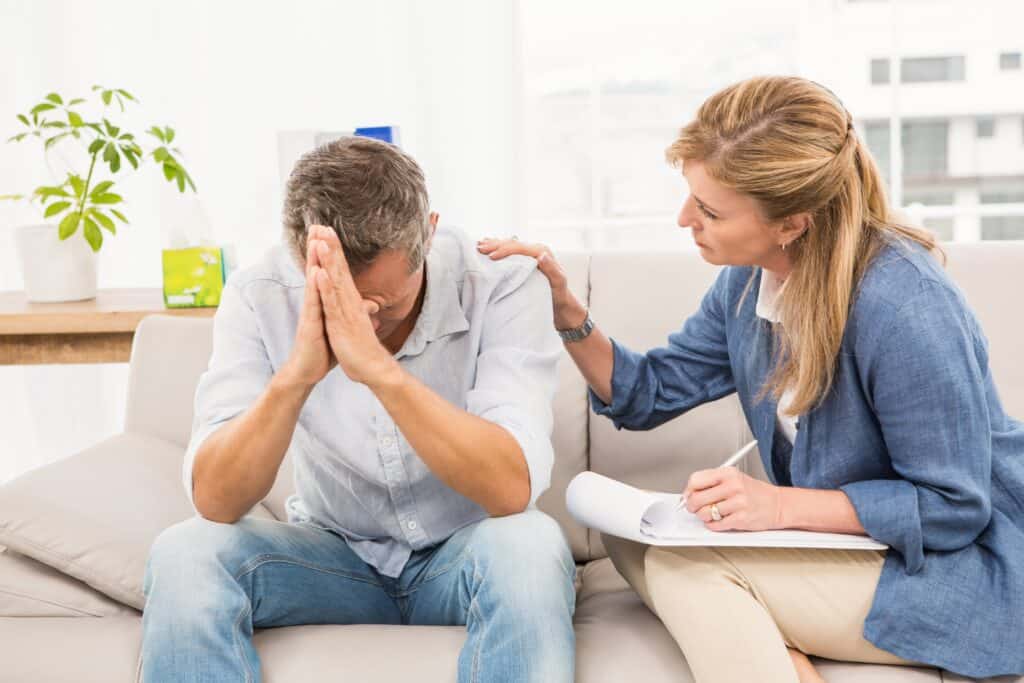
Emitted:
pixel 311 358
pixel 334 324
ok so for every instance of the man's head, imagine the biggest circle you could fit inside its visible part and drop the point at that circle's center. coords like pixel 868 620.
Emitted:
pixel 374 197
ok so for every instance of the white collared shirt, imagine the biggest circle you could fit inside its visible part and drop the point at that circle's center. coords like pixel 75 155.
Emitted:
pixel 484 341
pixel 767 297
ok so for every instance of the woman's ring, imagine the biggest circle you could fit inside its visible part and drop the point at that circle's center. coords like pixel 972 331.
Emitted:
pixel 716 514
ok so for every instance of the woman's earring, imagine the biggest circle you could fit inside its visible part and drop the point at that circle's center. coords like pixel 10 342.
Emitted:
pixel 784 246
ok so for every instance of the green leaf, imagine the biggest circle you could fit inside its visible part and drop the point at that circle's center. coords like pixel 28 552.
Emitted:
pixel 55 208
pixel 111 156
pixel 157 133
pixel 101 188
pixel 92 234
pixel 95 127
pixel 106 97
pixel 103 220
pixel 97 87
pixel 170 171
pixel 55 98
pixel 17 138
pixel 160 154
pixel 12 197
pixel 181 181
pixel 106 198
pixel 45 191
pixel 39 108
pixel 119 215
pixel 127 94
pixel 77 184
pixel 96 146
pixel 169 133
pixel 24 119
pixel 50 142
pixel 129 154
pixel 77 100
pixel 68 225
pixel 75 120
pixel 55 124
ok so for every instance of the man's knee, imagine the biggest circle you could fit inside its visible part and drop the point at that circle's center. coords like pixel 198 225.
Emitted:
pixel 525 553
pixel 197 549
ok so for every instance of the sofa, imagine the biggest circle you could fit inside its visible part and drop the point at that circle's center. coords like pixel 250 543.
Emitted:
pixel 77 532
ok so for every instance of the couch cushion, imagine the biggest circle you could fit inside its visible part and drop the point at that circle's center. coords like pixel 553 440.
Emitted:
pixel 991 276
pixel 570 423
pixel 94 515
pixel 60 650
pixel 639 299
pixel 32 589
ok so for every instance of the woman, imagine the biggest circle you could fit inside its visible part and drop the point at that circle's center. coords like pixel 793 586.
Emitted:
pixel 863 374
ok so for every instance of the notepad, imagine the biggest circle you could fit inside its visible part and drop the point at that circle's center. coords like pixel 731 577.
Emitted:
pixel 607 505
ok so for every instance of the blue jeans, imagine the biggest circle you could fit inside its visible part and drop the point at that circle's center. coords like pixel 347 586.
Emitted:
pixel 509 580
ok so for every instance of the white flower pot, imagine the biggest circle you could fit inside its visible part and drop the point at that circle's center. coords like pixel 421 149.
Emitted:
pixel 55 269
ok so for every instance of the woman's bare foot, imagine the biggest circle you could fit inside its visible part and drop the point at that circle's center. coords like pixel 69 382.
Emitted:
pixel 805 671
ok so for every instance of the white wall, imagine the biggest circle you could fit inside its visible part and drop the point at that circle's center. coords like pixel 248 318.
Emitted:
pixel 227 76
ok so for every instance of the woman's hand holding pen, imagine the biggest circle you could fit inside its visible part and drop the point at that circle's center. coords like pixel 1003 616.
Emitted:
pixel 743 502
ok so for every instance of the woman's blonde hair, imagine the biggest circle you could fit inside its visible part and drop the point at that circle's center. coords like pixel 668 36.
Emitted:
pixel 790 144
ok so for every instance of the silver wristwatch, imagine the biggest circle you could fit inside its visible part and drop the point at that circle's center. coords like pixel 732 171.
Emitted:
pixel 577 333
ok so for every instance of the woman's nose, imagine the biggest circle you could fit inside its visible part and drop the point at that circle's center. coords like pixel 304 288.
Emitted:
pixel 686 214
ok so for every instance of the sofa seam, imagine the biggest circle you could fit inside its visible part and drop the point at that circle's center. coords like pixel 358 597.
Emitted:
pixel 86 613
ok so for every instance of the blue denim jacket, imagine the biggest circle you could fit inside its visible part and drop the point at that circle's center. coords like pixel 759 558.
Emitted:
pixel 912 431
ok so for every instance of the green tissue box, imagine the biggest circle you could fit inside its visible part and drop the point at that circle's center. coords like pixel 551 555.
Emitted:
pixel 195 277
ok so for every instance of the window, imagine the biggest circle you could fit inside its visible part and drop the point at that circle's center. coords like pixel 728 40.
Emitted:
pixel 1008 227
pixel 878 140
pixel 942 227
pixel 931 69
pixel 985 127
pixel 879 71
pixel 1009 61
pixel 925 149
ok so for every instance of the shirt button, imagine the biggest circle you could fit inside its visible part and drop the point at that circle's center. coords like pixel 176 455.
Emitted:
pixel 412 525
pixel 387 441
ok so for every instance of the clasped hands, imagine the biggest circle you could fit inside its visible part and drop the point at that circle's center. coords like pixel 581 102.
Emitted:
pixel 335 325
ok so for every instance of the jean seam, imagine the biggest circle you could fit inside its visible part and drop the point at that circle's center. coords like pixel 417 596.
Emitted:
pixel 475 669
pixel 458 561
pixel 238 643
pixel 261 560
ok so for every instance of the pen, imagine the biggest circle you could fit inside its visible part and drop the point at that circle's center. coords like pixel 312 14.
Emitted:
pixel 733 459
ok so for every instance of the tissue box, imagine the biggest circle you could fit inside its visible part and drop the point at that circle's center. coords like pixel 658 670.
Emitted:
pixel 195 277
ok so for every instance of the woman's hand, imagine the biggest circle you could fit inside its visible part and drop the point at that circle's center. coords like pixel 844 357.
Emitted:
pixel 569 312
pixel 745 503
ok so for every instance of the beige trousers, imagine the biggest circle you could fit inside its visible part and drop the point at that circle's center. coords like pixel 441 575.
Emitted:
pixel 734 611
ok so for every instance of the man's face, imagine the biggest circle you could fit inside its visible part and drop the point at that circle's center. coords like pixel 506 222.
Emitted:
pixel 390 290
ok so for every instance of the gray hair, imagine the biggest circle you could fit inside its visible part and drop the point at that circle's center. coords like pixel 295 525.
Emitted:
pixel 371 193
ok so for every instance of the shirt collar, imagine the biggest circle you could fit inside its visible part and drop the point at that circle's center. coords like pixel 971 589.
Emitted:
pixel 768 295
pixel 441 314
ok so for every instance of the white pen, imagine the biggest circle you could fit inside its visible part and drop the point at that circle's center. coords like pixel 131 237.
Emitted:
pixel 733 459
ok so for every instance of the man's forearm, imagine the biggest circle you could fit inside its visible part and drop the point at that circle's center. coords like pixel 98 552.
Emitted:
pixel 236 466
pixel 475 457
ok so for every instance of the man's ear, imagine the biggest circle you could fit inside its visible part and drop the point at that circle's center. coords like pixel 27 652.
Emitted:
pixel 434 217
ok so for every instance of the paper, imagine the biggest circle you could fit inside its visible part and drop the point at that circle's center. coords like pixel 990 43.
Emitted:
pixel 610 506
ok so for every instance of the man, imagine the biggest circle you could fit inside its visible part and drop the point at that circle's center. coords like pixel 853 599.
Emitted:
pixel 412 380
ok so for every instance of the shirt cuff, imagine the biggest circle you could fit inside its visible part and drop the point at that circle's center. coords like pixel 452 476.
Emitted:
pixel 537 450
pixel 888 510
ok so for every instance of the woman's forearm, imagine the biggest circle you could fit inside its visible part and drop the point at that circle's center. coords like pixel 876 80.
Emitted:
pixel 593 355
pixel 818 510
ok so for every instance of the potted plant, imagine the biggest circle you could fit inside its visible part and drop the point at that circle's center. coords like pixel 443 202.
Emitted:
pixel 58 258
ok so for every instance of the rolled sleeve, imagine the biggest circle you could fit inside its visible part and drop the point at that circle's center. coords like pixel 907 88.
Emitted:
pixel 238 371
pixel 651 388
pixel 926 380
pixel 516 374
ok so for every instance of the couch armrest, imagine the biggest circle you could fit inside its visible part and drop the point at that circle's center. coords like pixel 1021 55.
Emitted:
pixel 169 353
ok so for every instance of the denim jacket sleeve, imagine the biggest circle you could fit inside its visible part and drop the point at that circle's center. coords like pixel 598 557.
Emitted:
pixel 652 388
pixel 926 380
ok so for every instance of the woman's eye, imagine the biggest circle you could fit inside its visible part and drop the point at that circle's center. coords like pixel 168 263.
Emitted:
pixel 707 213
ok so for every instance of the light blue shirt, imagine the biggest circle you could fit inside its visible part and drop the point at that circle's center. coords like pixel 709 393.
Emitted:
pixel 484 341
pixel 912 430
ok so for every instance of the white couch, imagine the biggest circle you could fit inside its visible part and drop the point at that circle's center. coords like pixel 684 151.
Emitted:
pixel 78 531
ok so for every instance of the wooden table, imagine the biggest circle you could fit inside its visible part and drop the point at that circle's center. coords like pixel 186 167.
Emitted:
pixel 95 331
